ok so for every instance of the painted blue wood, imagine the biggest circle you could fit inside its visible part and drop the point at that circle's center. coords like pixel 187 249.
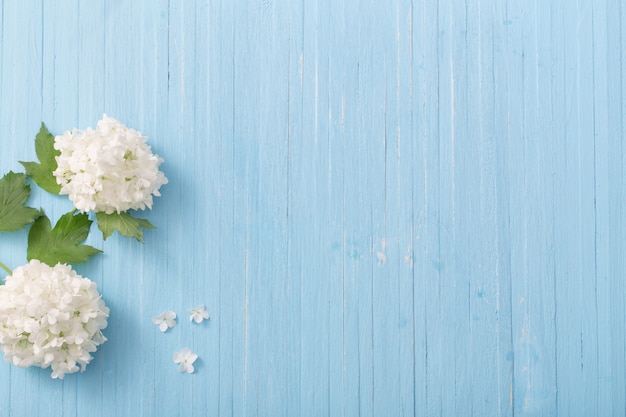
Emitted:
pixel 389 208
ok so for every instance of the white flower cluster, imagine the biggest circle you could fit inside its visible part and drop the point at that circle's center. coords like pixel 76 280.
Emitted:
pixel 50 316
pixel 109 169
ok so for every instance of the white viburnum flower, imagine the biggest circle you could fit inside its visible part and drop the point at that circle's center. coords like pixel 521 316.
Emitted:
pixel 50 317
pixel 165 320
pixel 110 169
pixel 186 359
pixel 198 314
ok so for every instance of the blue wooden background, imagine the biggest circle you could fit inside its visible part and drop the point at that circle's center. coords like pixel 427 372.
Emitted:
pixel 404 207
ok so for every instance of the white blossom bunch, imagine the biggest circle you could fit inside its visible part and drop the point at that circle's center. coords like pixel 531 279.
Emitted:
pixel 50 317
pixel 109 169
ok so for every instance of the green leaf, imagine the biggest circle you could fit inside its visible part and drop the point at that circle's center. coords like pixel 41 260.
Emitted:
pixel 42 173
pixel 124 223
pixel 61 244
pixel 14 191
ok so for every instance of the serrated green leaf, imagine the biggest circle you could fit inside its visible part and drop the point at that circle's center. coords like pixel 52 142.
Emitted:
pixel 61 244
pixel 41 172
pixel 14 191
pixel 124 223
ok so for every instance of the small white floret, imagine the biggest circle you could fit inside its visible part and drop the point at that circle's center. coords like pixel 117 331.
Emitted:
pixel 198 314
pixel 185 358
pixel 165 320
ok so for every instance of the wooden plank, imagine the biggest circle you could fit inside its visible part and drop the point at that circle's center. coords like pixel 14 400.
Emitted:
pixel 613 341
pixel 424 47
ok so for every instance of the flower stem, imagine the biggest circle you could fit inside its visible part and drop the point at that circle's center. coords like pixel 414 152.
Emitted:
pixel 6 268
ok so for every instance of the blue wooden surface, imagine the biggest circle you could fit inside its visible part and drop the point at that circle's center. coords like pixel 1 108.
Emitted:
pixel 409 207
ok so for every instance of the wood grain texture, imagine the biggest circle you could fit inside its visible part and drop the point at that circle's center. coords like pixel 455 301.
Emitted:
pixel 412 207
